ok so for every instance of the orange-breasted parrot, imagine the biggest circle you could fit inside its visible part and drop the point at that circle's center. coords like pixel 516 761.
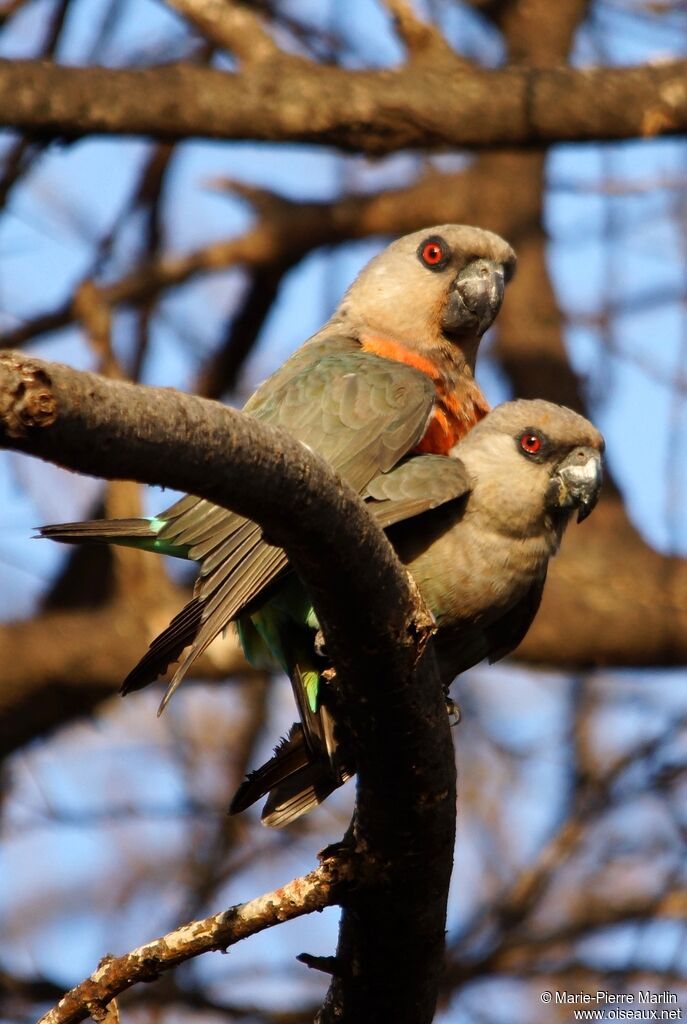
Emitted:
pixel 390 374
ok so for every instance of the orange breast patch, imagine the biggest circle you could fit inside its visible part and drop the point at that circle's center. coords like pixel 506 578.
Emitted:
pixel 452 420
pixel 457 409
pixel 388 349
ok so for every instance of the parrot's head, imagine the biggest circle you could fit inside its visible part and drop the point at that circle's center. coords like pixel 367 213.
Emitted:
pixel 534 463
pixel 439 288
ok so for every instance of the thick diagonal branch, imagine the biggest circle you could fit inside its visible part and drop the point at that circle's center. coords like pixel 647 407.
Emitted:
pixel 374 624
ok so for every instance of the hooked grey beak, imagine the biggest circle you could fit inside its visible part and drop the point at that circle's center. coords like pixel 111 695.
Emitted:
pixel 475 298
pixel 576 482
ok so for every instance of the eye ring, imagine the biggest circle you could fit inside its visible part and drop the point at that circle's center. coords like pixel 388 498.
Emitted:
pixel 433 253
pixel 530 442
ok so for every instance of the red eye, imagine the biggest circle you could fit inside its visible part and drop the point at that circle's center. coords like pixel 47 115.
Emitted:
pixel 530 442
pixel 434 253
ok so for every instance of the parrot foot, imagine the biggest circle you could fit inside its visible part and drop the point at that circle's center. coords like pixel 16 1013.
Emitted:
pixel 320 645
pixel 453 711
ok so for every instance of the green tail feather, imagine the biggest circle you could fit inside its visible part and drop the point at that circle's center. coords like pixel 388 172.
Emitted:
pixel 281 635
pixel 132 533
pixel 310 679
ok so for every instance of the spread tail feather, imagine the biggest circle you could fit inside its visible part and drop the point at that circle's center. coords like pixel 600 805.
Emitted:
pixel 299 793
pixel 165 649
pixel 295 781
pixel 290 755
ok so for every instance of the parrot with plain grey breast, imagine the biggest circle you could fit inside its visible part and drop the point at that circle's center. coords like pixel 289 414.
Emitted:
pixel 476 531
pixel 391 374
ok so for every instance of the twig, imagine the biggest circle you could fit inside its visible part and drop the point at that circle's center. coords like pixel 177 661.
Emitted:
pixel 418 35
pixel 232 27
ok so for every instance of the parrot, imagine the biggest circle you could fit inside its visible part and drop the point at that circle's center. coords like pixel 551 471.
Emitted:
pixel 476 530
pixel 390 375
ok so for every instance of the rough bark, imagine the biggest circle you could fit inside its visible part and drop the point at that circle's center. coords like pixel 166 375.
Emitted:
pixel 433 101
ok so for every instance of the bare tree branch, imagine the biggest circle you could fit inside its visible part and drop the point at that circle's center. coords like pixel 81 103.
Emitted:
pixel 429 105
pixel 319 889
pixel 232 26
pixel 61 665
pixel 420 37
pixel 286 231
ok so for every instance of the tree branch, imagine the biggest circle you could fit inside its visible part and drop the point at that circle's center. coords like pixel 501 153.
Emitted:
pixel 319 889
pixel 61 665
pixel 374 624
pixel 421 38
pixel 610 598
pixel 286 231
pixel 432 105
pixel 232 26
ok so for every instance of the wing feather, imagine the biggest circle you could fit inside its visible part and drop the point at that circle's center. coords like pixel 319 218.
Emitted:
pixel 361 412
